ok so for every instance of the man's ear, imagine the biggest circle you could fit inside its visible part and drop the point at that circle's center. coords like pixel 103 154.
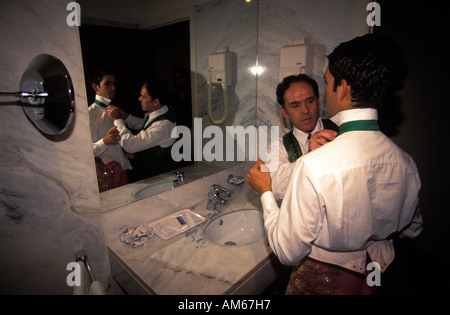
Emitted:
pixel 95 87
pixel 158 103
pixel 344 90
pixel 283 112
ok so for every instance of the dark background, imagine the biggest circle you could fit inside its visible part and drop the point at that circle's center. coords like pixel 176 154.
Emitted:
pixel 135 55
pixel 418 124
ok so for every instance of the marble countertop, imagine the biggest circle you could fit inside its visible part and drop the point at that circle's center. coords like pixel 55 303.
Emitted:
pixel 122 196
pixel 188 263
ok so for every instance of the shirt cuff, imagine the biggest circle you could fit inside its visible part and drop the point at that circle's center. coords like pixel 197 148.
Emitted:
pixel 267 196
pixel 268 202
pixel 99 147
pixel 119 123
pixel 101 144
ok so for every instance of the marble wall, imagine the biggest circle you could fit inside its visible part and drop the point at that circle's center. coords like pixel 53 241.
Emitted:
pixel 269 24
pixel 49 202
pixel 272 24
pixel 324 23
pixel 232 24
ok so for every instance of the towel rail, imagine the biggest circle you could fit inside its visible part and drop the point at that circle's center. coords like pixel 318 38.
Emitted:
pixel 82 257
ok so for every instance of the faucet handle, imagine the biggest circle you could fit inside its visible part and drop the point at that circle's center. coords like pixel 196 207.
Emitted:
pixel 218 195
pixel 217 190
pixel 180 178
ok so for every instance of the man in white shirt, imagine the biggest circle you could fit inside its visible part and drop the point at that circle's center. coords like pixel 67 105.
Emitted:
pixel 347 199
pixel 152 145
pixel 298 96
pixel 105 136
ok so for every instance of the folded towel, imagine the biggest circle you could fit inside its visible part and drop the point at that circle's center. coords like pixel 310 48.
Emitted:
pixel 83 288
pixel 136 236
pixel 96 288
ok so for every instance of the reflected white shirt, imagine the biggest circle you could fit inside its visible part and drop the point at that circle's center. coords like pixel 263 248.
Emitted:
pixel 159 133
pixel 280 175
pixel 345 199
pixel 100 124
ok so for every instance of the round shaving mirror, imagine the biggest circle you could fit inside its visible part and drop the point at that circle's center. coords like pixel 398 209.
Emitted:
pixel 47 95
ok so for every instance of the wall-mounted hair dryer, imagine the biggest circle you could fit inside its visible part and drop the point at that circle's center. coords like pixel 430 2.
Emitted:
pixel 294 59
pixel 220 73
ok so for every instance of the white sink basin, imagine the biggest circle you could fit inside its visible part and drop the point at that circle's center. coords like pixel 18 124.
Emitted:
pixel 236 228
pixel 153 190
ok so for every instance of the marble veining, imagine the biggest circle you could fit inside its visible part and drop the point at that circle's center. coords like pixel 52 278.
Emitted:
pixel 49 204
pixel 125 195
pixel 325 23
pixel 231 24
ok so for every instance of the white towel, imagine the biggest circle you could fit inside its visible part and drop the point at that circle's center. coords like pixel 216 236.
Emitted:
pixel 96 288
pixel 86 287
pixel 83 288
pixel 137 236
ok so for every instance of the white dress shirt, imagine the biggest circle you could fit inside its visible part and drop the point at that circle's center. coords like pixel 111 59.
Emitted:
pixel 159 133
pixel 100 124
pixel 280 175
pixel 345 200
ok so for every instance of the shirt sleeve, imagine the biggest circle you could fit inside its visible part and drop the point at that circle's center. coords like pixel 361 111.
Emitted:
pixel 99 147
pixel 280 179
pixel 156 134
pixel 293 227
pixel 414 229
pixel 280 169
pixel 134 122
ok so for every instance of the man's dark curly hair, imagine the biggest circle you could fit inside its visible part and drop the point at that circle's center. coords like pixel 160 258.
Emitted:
pixel 97 75
pixel 373 67
pixel 158 89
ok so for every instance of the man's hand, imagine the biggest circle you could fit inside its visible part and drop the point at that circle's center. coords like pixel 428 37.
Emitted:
pixel 115 112
pixel 320 138
pixel 112 136
pixel 258 180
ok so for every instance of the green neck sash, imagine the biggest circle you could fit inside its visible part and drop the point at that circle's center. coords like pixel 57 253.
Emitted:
pixel 99 103
pixel 292 146
pixel 359 125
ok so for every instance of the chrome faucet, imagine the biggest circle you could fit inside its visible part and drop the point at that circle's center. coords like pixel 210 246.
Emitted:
pixel 218 197
pixel 181 180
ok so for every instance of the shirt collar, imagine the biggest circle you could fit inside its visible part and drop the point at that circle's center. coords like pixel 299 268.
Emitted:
pixel 355 114
pixel 102 99
pixel 303 136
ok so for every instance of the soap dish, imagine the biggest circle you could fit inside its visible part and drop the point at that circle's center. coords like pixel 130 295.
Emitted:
pixel 176 223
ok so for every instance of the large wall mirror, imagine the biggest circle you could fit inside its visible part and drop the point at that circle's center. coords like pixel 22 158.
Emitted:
pixel 138 49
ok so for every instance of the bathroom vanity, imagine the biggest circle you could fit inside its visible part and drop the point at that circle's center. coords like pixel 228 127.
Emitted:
pixel 190 263
pixel 122 196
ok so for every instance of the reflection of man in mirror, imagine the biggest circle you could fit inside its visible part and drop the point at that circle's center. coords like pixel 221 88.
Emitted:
pixel 152 145
pixel 182 100
pixel 298 96
pixel 110 160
